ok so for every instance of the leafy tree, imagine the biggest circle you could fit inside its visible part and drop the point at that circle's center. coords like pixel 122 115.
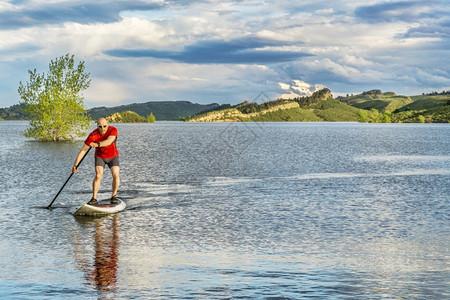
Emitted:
pixel 53 101
pixel 363 116
pixel 374 116
pixel 385 117
pixel 151 118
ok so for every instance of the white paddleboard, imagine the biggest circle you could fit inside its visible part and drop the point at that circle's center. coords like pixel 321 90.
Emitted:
pixel 104 207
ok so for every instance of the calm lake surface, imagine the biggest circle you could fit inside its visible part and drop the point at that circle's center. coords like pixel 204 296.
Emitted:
pixel 234 210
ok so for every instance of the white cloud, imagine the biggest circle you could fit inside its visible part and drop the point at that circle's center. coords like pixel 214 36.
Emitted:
pixel 356 61
pixel 298 88
pixel 325 11
pixel 404 45
pixel 106 92
pixel 6 6
pixel 328 65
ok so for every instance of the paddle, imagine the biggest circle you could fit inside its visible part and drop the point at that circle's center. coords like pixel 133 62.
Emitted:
pixel 50 205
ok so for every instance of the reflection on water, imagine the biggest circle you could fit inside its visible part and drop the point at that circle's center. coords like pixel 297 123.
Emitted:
pixel 103 232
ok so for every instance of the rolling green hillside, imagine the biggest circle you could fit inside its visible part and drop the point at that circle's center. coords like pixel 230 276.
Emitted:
pixel 335 111
pixel 436 115
pixel 287 115
pixel 423 108
pixel 383 102
pixel 319 107
pixel 126 117
pixel 329 110
pixel 427 102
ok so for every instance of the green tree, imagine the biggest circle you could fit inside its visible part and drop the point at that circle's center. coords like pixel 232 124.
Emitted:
pixel 385 117
pixel 54 103
pixel 363 116
pixel 151 118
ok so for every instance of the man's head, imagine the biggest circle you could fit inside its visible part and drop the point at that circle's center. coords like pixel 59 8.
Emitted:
pixel 102 125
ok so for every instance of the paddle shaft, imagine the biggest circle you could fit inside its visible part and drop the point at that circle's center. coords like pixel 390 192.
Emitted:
pixel 50 205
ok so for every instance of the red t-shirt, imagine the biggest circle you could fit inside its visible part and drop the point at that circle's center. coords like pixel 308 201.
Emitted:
pixel 103 152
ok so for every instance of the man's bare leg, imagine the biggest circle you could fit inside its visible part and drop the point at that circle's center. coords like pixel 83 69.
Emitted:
pixel 116 179
pixel 97 180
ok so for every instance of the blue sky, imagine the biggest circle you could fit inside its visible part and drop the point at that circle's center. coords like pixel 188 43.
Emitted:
pixel 228 51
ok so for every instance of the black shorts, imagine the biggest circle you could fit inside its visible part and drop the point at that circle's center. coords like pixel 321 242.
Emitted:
pixel 111 162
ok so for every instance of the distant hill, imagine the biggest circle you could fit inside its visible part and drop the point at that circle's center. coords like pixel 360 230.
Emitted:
pixel 245 112
pixel 319 107
pixel 432 108
pixel 162 110
pixel 13 113
pixel 427 102
pixel 425 108
pixel 126 117
pixel 383 102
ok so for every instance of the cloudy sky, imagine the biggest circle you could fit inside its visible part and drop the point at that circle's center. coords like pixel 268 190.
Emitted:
pixel 228 51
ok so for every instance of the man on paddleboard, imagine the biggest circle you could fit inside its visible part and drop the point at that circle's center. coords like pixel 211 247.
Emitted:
pixel 103 139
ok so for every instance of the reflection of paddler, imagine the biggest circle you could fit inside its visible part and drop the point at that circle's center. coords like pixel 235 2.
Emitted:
pixel 106 246
pixel 103 272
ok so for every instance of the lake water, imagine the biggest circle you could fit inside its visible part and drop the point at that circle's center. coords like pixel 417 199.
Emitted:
pixel 233 211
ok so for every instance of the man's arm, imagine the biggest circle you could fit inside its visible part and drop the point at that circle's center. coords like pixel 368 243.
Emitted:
pixel 80 155
pixel 104 143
